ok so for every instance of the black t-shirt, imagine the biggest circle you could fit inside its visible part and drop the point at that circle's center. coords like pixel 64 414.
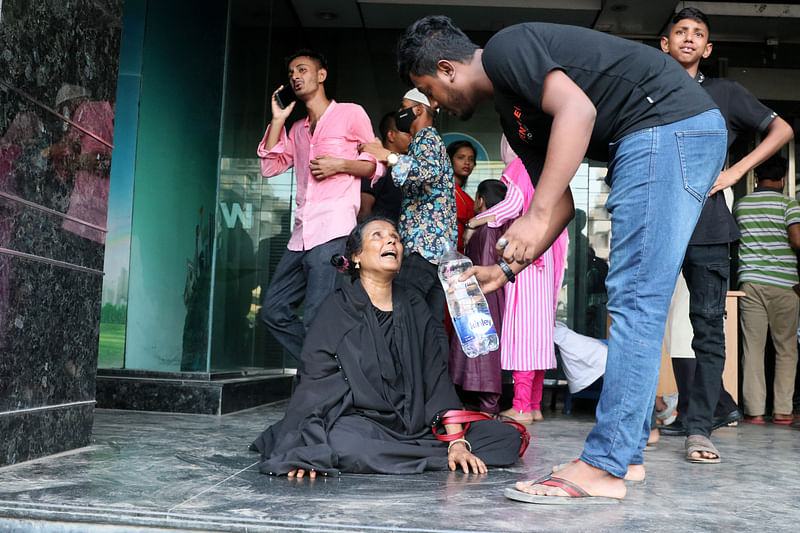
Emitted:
pixel 388 197
pixel 632 86
pixel 743 114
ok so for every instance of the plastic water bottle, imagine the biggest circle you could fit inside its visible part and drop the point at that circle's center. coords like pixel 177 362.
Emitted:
pixel 468 308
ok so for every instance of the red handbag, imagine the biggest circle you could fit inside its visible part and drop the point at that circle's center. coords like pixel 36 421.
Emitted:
pixel 457 416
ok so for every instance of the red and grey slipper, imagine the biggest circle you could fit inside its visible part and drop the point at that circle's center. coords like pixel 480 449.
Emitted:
pixel 574 494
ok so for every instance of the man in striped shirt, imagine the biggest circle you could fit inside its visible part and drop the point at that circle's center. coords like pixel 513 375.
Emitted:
pixel 769 223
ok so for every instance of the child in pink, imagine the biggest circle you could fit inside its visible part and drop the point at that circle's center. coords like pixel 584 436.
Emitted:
pixel 526 344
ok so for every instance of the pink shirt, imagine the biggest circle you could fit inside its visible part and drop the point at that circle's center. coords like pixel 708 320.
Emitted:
pixel 325 209
pixel 529 318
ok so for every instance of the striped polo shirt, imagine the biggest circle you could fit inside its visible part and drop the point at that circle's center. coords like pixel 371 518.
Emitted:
pixel 765 256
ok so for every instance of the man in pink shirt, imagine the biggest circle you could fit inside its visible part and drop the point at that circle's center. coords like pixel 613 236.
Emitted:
pixel 323 148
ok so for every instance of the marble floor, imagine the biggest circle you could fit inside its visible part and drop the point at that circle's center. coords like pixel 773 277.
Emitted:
pixel 159 472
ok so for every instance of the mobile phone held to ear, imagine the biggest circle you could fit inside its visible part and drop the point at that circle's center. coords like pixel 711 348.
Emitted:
pixel 285 96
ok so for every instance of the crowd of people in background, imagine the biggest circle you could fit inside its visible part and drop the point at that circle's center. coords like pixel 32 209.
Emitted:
pixel 375 367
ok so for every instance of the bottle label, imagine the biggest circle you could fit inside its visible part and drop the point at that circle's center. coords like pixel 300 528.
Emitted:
pixel 474 324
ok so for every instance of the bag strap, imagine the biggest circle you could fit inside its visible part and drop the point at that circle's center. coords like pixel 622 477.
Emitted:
pixel 456 416
pixel 459 416
pixel 523 433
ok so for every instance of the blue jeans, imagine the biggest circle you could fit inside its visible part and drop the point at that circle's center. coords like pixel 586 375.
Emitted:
pixel 659 178
pixel 305 277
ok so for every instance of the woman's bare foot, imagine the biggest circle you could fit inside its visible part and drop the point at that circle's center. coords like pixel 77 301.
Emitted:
pixel 654 436
pixel 635 473
pixel 536 414
pixel 594 481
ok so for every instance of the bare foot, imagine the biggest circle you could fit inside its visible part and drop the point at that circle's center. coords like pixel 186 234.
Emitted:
pixel 654 436
pixel 703 455
pixel 635 473
pixel 594 481
pixel 536 414
pixel 699 449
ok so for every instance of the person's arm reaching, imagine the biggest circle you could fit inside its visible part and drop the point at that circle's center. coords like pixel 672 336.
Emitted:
pixel 420 166
pixel 779 132
pixel 551 208
pixel 325 166
pixel 507 209
pixel 359 130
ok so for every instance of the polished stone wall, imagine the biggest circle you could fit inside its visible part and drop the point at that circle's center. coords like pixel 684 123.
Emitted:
pixel 58 74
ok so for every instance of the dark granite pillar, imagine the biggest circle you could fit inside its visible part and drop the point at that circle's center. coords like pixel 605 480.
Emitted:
pixel 58 73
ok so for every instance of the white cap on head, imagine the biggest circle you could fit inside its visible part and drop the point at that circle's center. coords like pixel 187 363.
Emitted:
pixel 416 96
pixel 69 92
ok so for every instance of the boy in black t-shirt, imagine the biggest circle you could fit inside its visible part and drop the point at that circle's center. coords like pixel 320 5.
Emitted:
pixel 706 266
pixel 564 92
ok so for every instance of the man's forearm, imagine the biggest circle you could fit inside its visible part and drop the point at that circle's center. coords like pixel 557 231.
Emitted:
pixel 358 167
pixel 562 213
pixel 275 130
pixel 779 132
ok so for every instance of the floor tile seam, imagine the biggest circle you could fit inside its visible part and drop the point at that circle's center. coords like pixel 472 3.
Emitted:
pixel 89 514
pixel 235 474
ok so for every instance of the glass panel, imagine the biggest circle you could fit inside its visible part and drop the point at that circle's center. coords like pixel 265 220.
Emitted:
pixel 254 214
pixel 174 200
pixel 582 301
pixel 114 313
pixel 254 225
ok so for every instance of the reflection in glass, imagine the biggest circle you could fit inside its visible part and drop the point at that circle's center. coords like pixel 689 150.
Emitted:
pixel 582 303
pixel 253 227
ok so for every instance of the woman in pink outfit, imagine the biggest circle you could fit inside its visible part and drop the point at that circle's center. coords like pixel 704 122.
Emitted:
pixel 526 344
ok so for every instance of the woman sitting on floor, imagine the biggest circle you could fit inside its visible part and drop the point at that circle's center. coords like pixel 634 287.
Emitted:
pixel 372 380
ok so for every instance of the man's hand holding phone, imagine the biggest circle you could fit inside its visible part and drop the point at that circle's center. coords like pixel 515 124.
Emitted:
pixel 279 116
pixel 280 108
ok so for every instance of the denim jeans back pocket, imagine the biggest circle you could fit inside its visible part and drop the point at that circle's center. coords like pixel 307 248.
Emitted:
pixel 702 154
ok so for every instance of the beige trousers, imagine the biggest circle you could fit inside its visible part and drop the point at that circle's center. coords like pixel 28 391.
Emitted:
pixel 762 307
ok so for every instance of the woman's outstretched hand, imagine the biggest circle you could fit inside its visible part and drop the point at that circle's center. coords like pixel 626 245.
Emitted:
pixel 459 455
pixel 300 472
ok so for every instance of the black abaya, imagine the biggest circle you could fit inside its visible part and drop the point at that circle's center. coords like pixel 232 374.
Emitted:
pixel 365 400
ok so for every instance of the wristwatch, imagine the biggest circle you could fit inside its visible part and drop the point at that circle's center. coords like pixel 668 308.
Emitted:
pixel 392 159
pixel 507 270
